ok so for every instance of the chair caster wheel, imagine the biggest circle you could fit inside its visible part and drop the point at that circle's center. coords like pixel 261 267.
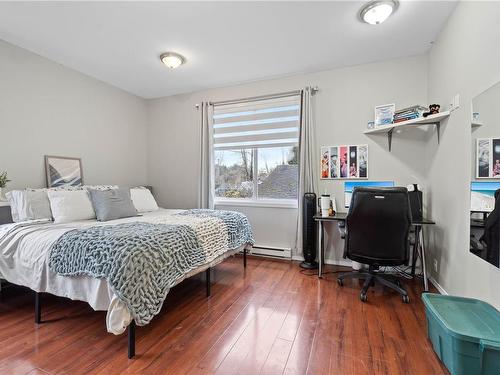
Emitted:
pixel 340 282
pixel 406 299
pixel 363 297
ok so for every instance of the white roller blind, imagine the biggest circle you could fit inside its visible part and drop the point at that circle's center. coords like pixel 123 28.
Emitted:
pixel 260 123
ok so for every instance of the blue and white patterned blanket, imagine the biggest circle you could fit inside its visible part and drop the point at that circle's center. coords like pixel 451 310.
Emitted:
pixel 142 260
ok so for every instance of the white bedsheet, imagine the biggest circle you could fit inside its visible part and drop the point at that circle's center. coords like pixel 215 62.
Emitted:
pixel 24 250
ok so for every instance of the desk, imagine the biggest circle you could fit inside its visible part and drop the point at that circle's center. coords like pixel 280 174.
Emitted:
pixel 418 248
pixel 339 216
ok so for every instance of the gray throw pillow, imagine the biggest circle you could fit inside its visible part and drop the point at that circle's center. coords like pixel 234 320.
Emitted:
pixel 112 204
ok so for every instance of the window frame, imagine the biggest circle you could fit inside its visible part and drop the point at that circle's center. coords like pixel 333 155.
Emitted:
pixel 255 201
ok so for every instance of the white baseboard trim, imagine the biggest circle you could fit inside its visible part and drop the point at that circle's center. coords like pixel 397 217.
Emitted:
pixel 348 263
pixel 438 287
pixel 333 262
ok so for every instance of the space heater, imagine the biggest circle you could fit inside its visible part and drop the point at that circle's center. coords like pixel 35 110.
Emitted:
pixel 309 240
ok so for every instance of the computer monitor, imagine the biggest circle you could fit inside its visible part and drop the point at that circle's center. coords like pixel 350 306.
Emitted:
pixel 482 196
pixel 350 185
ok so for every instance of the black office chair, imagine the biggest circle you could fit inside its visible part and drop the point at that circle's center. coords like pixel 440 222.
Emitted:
pixel 491 235
pixel 377 231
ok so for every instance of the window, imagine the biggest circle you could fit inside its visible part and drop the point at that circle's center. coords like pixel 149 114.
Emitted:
pixel 255 151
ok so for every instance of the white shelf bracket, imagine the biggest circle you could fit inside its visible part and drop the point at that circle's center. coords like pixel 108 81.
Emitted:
pixel 436 124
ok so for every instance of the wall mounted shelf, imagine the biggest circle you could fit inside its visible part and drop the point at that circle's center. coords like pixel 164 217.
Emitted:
pixel 429 120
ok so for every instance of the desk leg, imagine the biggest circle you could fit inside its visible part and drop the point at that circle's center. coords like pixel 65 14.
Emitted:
pixel 424 267
pixel 320 249
pixel 416 250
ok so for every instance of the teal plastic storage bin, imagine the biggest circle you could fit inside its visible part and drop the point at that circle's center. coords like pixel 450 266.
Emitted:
pixel 465 334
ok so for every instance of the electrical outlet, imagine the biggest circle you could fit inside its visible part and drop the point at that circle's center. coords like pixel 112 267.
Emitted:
pixel 454 102
pixel 435 265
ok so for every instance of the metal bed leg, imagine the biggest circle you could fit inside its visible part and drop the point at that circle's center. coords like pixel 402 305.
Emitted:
pixel 245 257
pixel 207 274
pixel 38 308
pixel 131 339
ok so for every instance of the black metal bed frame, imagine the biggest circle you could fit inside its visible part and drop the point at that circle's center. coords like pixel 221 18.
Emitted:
pixel 131 327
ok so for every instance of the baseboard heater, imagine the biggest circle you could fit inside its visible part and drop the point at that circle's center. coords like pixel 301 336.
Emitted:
pixel 271 251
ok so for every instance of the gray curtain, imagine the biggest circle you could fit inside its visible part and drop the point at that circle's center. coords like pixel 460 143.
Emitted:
pixel 307 163
pixel 205 199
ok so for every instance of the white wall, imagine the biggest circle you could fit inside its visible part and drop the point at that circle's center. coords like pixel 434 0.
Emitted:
pixel 465 60
pixel 344 105
pixel 46 108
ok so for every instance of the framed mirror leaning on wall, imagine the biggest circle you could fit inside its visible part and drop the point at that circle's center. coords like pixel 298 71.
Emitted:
pixel 485 176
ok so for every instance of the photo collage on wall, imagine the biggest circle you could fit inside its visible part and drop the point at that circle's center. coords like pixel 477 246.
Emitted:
pixel 346 162
pixel 488 158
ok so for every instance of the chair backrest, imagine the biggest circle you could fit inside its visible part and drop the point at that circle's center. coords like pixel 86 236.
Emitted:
pixel 491 235
pixel 378 225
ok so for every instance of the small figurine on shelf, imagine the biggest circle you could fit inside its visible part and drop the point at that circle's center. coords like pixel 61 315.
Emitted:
pixel 433 109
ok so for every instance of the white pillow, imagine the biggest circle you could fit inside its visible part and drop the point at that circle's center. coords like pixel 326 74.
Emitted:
pixel 99 187
pixel 143 200
pixel 58 188
pixel 29 205
pixel 70 205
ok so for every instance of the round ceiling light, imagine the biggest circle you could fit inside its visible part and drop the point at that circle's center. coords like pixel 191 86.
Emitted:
pixel 376 12
pixel 172 60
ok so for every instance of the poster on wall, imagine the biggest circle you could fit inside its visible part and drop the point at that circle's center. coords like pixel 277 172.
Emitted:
pixel 324 162
pixel 488 158
pixel 363 161
pixel 344 162
pixel 334 162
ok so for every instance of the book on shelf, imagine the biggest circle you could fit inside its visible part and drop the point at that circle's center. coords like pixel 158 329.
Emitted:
pixel 414 108
pixel 409 113
pixel 402 119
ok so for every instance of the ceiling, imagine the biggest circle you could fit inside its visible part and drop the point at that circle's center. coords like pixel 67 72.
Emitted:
pixel 224 42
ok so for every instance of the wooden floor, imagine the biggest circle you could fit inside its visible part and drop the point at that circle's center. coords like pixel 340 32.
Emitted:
pixel 270 318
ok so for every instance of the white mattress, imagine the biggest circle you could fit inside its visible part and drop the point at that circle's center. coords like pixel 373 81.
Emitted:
pixel 24 249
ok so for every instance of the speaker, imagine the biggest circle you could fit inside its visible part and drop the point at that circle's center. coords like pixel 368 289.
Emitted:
pixel 309 240
pixel 415 197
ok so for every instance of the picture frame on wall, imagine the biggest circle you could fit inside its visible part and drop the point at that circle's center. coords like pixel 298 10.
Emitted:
pixel 63 171
pixel 334 162
pixel 488 158
pixel 384 114
pixel 344 162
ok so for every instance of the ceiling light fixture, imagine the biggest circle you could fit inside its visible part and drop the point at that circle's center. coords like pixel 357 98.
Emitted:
pixel 376 12
pixel 172 60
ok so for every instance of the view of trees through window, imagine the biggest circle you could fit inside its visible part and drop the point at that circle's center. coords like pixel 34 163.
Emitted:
pixel 266 173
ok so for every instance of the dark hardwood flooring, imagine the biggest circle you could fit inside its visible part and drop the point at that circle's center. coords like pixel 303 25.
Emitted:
pixel 268 319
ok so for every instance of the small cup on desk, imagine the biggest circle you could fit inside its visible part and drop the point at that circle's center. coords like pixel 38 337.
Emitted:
pixel 324 204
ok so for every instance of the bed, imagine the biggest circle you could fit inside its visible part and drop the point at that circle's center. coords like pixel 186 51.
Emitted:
pixel 74 259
